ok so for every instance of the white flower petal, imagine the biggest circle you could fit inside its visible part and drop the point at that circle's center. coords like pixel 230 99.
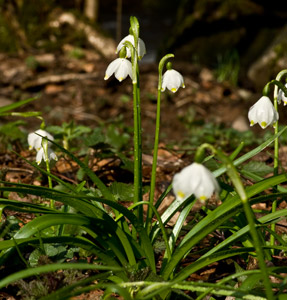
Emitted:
pixel 41 155
pixel 35 139
pixel 141 48
pixel 281 96
pixel 195 179
pixel 124 70
pixel 121 67
pixel 263 113
pixel 172 80
pixel 130 38
pixel 112 67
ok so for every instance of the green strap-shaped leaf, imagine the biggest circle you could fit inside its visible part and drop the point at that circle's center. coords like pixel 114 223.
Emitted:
pixel 15 105
pixel 236 235
pixel 52 268
pixel 67 240
pixel 230 207
pixel 250 154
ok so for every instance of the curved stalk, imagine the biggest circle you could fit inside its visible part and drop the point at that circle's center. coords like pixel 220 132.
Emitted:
pixel 156 137
pixel 239 187
pixel 235 178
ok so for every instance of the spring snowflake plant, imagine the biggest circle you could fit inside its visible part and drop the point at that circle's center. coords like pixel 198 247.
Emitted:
pixel 37 141
pixel 138 253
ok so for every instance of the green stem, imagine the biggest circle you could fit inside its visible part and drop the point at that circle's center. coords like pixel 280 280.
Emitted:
pixel 235 178
pixel 276 163
pixel 139 132
pixel 156 138
pixel 136 145
pixel 45 147
pixel 137 116
pixel 137 136
pixel 155 153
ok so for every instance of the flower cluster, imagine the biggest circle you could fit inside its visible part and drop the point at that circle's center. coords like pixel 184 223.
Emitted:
pixel 122 67
pixel 36 141
pixel 194 179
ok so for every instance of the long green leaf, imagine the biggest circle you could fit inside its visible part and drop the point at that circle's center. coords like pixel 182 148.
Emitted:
pixel 170 211
pixel 102 187
pixel 16 205
pixel 52 268
pixel 57 179
pixel 75 288
pixel 251 153
pixel 16 105
pixel 178 226
pixel 161 287
pixel 93 225
pixel 230 207
pixel 84 205
pixel 158 288
pixel 67 240
pixel 203 262
pixel 79 203
pixel 236 235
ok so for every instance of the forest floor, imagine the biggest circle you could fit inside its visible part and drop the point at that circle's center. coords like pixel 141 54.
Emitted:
pixel 69 88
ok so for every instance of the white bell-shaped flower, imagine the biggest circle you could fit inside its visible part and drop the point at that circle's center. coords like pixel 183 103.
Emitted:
pixel 172 80
pixel 35 139
pixel 263 113
pixel 121 67
pixel 194 179
pixel 281 96
pixel 130 38
pixel 42 156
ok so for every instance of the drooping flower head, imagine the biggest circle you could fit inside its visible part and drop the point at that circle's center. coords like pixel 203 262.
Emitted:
pixel 263 113
pixel 41 155
pixel 121 67
pixel 130 38
pixel 194 179
pixel 172 80
pixel 282 97
pixel 35 139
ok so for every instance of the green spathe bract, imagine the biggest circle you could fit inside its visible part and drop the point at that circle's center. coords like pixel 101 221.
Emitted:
pixel 127 244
